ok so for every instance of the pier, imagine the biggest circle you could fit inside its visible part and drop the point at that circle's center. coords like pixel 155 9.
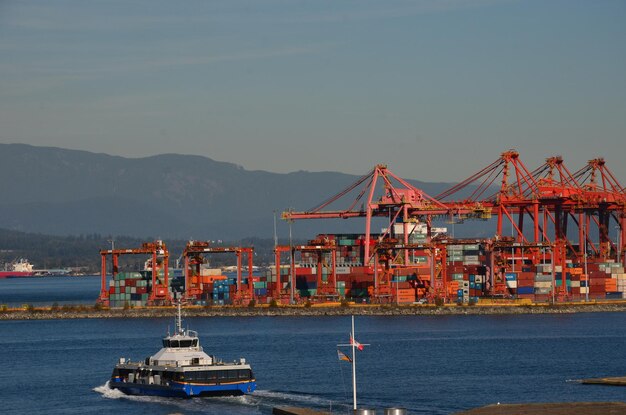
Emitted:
pixel 570 408
pixel 611 381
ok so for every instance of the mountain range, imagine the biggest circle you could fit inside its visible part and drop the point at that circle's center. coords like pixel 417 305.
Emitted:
pixel 68 192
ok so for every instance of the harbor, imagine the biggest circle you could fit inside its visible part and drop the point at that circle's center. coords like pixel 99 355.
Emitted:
pixel 563 246
pixel 440 366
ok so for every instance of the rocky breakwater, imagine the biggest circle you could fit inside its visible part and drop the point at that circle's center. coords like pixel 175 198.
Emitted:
pixel 74 312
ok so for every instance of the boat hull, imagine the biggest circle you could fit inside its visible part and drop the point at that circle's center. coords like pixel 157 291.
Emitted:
pixel 183 390
pixel 15 274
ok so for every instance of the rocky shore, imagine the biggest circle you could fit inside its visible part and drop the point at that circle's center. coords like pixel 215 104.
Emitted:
pixel 81 312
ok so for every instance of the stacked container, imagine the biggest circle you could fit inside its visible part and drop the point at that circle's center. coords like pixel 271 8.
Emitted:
pixel 129 289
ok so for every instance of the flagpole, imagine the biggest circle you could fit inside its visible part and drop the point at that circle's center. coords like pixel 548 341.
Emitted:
pixel 353 368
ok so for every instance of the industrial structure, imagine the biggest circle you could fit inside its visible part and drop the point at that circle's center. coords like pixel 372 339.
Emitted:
pixel 559 246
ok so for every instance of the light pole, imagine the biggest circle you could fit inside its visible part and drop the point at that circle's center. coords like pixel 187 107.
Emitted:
pixel 512 247
pixel 291 266
pixel 585 259
pixel 275 235
pixel 619 243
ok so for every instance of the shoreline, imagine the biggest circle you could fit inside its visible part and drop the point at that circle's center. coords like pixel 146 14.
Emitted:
pixel 90 312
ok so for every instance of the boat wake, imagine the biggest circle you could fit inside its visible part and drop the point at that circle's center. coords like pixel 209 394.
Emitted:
pixel 109 393
pixel 261 401
pixel 272 398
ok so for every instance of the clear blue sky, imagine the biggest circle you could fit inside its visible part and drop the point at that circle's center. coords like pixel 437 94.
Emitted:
pixel 435 89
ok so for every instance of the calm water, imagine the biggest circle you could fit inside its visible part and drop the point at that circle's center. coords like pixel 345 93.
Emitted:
pixel 430 365
pixel 45 291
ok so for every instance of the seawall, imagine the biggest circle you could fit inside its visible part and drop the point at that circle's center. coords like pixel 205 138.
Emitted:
pixel 74 312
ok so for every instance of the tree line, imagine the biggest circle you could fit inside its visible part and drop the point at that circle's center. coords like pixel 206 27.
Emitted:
pixel 83 251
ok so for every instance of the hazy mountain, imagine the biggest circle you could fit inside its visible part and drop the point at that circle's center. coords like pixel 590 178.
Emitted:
pixel 59 191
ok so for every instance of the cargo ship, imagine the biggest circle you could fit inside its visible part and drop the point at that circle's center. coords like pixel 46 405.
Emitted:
pixel 17 269
pixel 182 369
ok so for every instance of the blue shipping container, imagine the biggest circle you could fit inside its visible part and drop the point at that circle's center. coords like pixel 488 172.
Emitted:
pixel 525 290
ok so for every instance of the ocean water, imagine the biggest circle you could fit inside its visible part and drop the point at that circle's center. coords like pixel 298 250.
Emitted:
pixel 427 364
pixel 45 291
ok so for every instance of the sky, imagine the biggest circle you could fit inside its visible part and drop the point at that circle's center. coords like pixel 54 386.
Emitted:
pixel 435 89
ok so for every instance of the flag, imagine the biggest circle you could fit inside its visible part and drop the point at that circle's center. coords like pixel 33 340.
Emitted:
pixel 343 356
pixel 356 343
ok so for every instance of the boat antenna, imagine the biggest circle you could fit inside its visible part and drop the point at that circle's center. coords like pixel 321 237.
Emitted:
pixel 179 320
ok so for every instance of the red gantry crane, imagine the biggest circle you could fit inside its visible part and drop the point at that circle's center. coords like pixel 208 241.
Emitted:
pixel 383 194
pixel 193 257
pixel 159 261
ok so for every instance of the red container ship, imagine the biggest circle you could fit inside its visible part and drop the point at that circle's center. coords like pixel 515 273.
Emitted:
pixel 17 269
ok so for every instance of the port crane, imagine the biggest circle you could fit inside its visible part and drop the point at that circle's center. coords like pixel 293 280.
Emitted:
pixel 193 258
pixel 551 197
pixel 159 261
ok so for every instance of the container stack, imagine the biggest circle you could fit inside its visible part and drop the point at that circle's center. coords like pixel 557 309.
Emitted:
pixel 128 289
pixel 543 282
pixel 526 282
pixel 574 274
pixel 614 281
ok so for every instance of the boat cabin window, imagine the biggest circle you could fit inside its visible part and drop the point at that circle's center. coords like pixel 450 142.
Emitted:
pixel 213 376
pixel 180 343
pixel 244 374
pixel 186 343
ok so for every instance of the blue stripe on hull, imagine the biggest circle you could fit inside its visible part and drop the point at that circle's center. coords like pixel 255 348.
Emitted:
pixel 183 390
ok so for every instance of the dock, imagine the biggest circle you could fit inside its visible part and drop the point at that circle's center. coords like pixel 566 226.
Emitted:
pixel 570 408
pixel 610 381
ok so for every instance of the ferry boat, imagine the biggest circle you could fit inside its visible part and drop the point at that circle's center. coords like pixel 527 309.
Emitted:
pixel 182 369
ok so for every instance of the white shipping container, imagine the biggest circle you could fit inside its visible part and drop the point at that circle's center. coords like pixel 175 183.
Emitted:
pixel 478 279
pixel 543 284
pixel 210 272
pixel 575 283
pixel 511 284
pixel 558 268
pixel 544 268
pixel 412 228
pixel 583 290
